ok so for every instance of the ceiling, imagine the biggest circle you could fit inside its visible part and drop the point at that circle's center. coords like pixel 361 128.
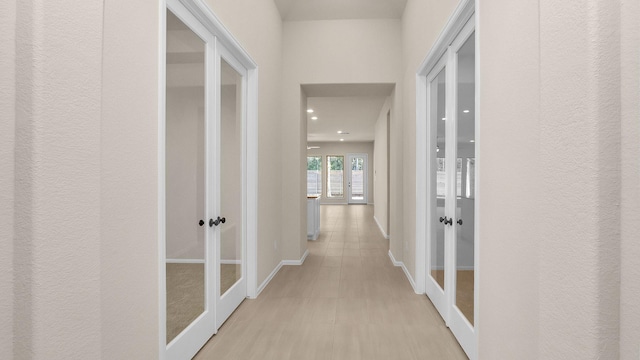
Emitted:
pixel 301 10
pixel 351 108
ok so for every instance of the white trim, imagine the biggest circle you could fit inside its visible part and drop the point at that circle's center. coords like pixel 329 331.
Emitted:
pixel 406 272
pixel 297 262
pixel 380 227
pixel 162 248
pixel 267 280
pixel 463 12
pixel 230 262
pixel 277 268
pixel 185 261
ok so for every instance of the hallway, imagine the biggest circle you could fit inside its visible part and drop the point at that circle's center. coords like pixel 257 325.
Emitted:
pixel 347 301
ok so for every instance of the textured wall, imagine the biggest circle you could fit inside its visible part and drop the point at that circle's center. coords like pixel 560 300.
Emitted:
pixel 57 219
pixel 129 185
pixel 508 182
pixel 630 195
pixel 550 169
pixel 7 143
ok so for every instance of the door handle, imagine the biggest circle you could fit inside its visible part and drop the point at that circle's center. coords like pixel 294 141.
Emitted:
pixel 217 221
pixel 446 221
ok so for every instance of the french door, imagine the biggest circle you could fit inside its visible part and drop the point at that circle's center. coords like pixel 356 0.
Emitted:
pixel 203 189
pixel 451 190
pixel 357 178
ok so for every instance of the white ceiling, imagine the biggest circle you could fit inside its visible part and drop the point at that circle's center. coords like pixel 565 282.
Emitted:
pixel 352 108
pixel 299 10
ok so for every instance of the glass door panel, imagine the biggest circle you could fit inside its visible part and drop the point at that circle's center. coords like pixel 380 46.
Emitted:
pixel 335 176
pixel 185 177
pixel 230 177
pixel 465 204
pixel 230 265
pixel 438 118
pixel 357 179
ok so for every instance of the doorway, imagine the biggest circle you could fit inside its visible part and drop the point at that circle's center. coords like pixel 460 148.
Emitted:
pixel 446 172
pixel 357 174
pixel 206 231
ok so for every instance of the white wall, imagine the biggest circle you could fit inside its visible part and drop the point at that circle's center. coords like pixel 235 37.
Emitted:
pixel 57 179
pixel 549 171
pixel 380 167
pixel 344 148
pixel 325 52
pixel 129 192
pixel 7 143
pixel 630 195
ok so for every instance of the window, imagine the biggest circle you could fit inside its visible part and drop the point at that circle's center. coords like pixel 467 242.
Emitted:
pixel 335 176
pixel 314 175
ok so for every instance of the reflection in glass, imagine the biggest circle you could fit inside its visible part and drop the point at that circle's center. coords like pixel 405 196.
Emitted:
pixel 230 176
pixel 465 204
pixel 438 188
pixel 185 167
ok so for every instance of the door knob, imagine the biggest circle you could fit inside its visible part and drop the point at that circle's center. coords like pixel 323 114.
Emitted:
pixel 201 222
pixel 443 219
pixel 449 221
pixel 213 222
pixel 222 220
pixel 459 221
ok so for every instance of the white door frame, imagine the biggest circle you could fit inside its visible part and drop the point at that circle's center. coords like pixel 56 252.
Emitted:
pixel 364 179
pixel 465 11
pixel 199 10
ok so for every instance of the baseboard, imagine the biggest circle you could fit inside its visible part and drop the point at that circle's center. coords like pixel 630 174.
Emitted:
pixel 185 261
pixel 268 279
pixel 406 272
pixel 380 227
pixel 296 262
pixel 280 265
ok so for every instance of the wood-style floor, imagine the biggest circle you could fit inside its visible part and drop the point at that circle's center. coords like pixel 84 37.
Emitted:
pixel 347 301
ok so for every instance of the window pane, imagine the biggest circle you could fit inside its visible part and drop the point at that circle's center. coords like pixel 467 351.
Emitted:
pixel 314 175
pixel 335 176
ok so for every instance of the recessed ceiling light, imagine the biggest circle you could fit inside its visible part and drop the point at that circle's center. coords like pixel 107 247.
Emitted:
pixel 314 118
pixel 309 111
pixel 444 118
pixel 341 139
pixel 465 111
pixel 339 131
pixel 472 141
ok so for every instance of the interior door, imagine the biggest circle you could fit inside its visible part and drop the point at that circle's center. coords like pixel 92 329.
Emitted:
pixel 463 228
pixel 438 187
pixel 187 185
pixel 231 287
pixel 357 178
pixel 450 282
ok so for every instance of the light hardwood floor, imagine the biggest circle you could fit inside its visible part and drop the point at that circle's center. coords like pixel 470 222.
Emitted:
pixel 347 301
